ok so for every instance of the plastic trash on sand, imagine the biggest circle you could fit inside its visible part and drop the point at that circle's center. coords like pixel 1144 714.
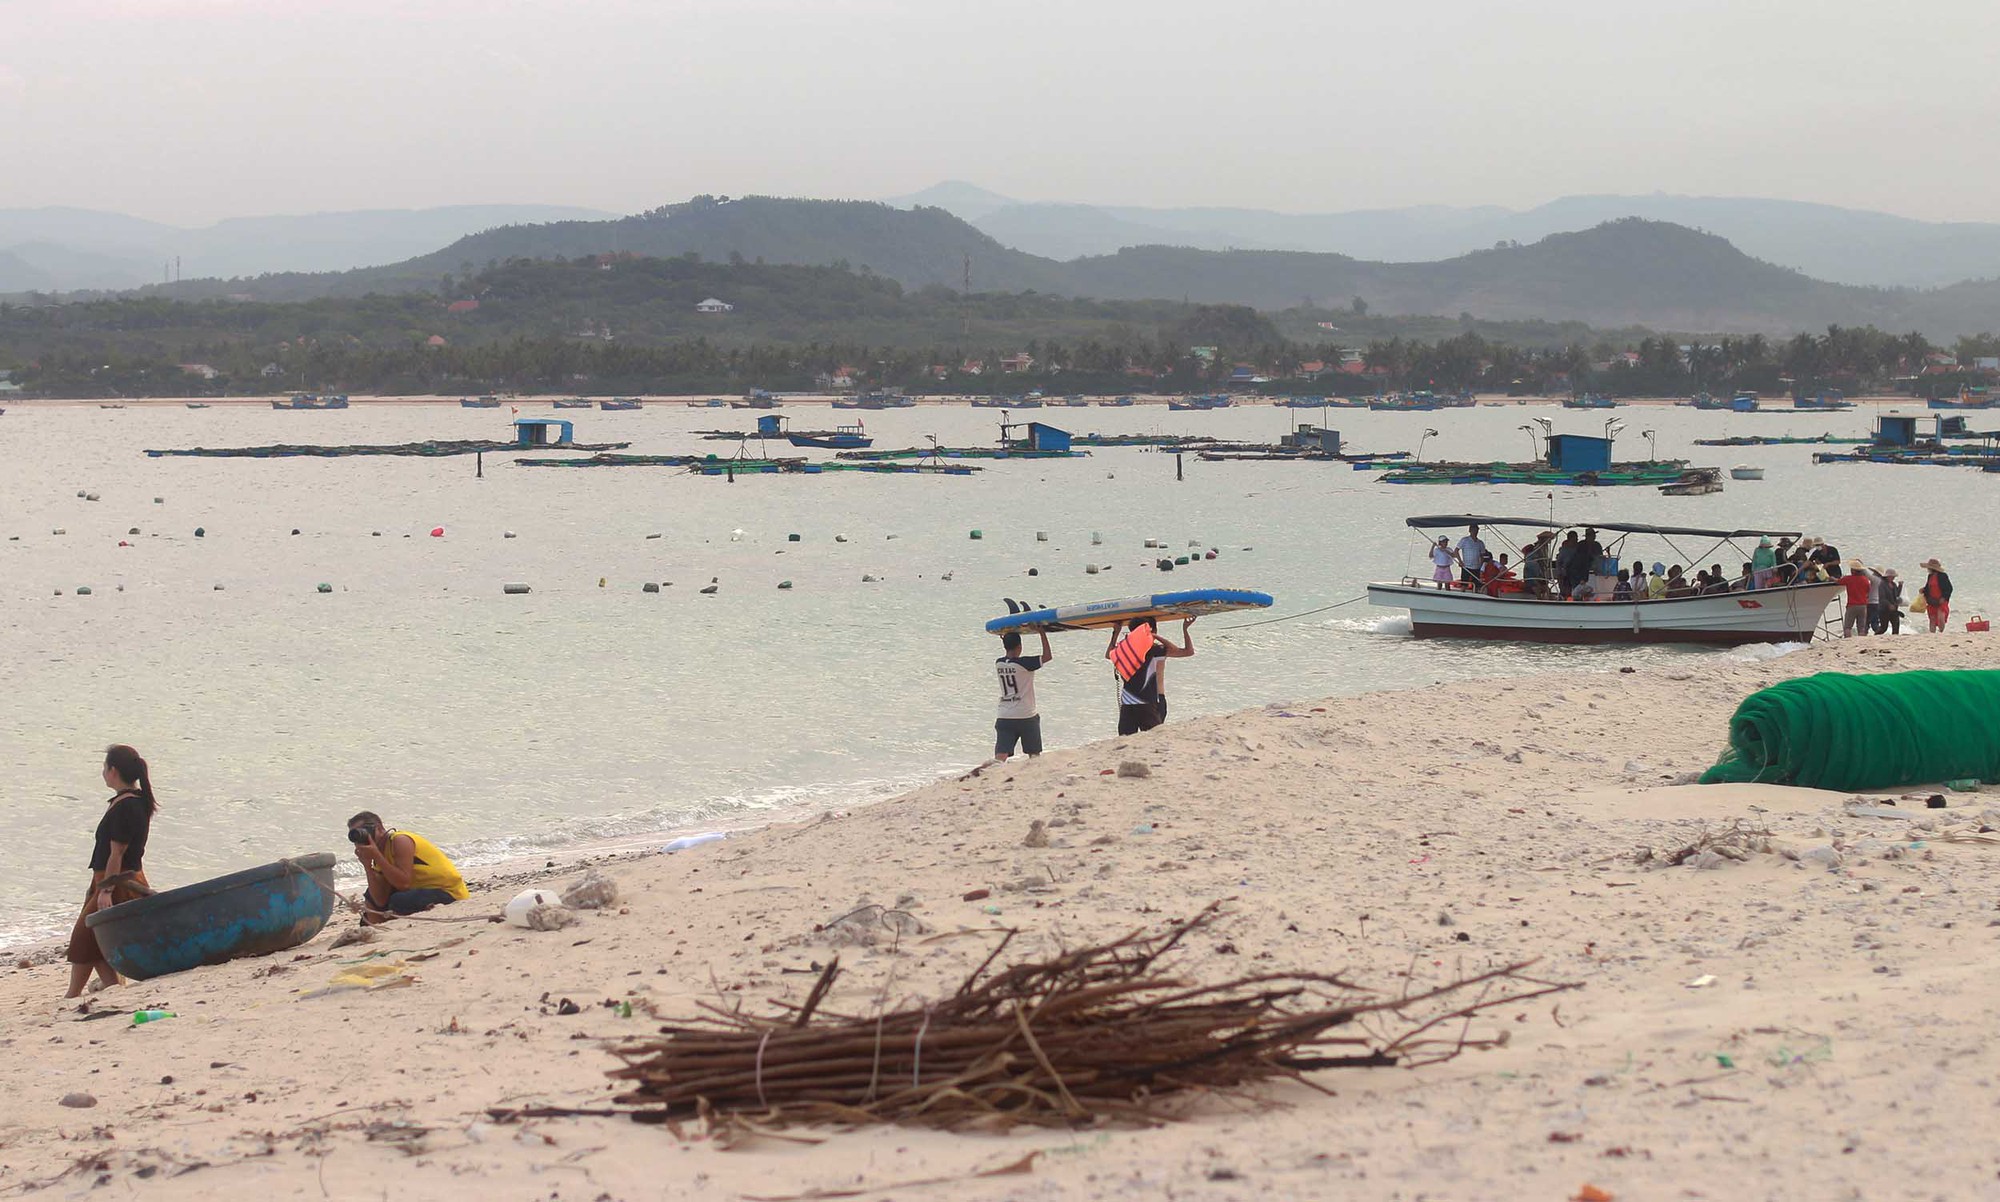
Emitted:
pixel 516 912
pixel 687 841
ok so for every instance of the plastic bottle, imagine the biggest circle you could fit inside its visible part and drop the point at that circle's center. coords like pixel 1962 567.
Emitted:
pixel 140 1017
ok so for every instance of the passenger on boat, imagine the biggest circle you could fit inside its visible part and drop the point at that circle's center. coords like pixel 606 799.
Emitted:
pixel 1642 584
pixel 1747 580
pixel 1493 572
pixel 117 862
pixel 1588 552
pixel 1763 563
pixel 1826 557
pixel 1565 563
pixel 1891 616
pixel 1717 582
pixel 1854 619
pixel 1678 584
pixel 1622 591
pixel 1585 590
pixel 1656 585
pixel 1471 553
pixel 1936 594
pixel 1441 563
pixel 407 874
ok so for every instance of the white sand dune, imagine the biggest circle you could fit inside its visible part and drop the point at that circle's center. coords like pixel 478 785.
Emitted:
pixel 1773 1029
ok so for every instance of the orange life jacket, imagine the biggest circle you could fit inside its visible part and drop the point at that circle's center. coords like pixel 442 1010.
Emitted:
pixel 1128 655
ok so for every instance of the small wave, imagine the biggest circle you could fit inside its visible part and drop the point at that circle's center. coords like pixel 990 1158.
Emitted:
pixel 1760 652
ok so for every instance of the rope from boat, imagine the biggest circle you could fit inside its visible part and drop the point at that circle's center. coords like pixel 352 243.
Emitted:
pixel 354 905
pixel 1288 617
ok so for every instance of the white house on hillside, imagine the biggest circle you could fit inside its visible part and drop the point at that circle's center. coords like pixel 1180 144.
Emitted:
pixel 712 305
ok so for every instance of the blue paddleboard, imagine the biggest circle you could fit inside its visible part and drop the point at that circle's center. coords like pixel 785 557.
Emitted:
pixel 1166 607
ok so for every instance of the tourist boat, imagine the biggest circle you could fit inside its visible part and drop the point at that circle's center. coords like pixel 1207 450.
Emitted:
pixel 1744 471
pixel 1786 614
pixel 307 400
pixel 255 912
pixel 1695 482
pixel 575 403
pixel 616 405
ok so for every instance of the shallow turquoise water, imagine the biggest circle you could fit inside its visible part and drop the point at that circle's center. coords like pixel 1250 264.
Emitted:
pixel 498 724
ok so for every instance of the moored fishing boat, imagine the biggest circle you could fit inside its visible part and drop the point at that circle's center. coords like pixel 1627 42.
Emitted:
pixel 307 400
pixel 1744 471
pixel 1789 613
pixel 616 405
pixel 1695 482
pixel 250 913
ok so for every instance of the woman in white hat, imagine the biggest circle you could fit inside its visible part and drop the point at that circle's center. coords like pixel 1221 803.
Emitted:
pixel 1937 595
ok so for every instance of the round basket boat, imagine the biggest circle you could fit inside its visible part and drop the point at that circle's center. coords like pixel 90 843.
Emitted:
pixel 250 913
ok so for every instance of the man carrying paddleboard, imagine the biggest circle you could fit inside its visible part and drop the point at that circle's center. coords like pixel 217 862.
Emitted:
pixel 1138 659
pixel 1019 721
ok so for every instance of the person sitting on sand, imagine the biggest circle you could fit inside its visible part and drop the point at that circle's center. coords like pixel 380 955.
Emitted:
pixel 1019 721
pixel 407 874
pixel 117 861
pixel 1142 700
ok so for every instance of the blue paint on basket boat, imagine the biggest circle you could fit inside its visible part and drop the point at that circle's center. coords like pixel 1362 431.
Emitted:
pixel 250 913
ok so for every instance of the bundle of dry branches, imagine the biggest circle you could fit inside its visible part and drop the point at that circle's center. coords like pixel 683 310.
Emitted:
pixel 1096 1034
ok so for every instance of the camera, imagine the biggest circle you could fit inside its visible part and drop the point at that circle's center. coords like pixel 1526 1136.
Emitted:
pixel 358 835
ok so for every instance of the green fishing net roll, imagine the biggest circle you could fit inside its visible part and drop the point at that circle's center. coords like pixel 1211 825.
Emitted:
pixel 1835 731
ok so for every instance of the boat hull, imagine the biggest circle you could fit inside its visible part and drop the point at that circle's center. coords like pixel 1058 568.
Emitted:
pixel 1780 615
pixel 250 913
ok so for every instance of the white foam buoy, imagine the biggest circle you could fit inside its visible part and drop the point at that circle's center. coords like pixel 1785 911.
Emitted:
pixel 736 535
pixel 1090 568
pixel 514 590
pixel 516 911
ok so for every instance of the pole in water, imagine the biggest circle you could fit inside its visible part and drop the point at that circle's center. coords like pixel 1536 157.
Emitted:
pixel 479 464
pixel 1179 468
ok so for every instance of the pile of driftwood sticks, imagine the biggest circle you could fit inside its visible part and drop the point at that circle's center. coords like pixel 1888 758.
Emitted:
pixel 1093 1035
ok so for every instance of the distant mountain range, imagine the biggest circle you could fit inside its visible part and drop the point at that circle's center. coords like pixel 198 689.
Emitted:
pixel 63 249
pixel 1626 272
pixel 1848 246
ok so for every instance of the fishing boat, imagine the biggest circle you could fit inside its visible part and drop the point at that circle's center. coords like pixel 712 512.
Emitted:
pixel 575 403
pixel 190 404
pixel 256 912
pixel 1117 402
pixel 1219 400
pixel 753 401
pixel 1789 613
pixel 616 405
pixel 1589 400
pixel 845 438
pixel 1744 471
pixel 1830 401
pixel 485 402
pixel 307 400
pixel 1695 482
pixel 1967 398
pixel 111 406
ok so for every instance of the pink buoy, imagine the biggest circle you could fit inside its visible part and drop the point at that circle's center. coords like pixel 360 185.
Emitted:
pixel 437 531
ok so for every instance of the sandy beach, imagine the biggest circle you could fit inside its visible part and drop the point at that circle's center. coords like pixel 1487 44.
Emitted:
pixel 1811 1022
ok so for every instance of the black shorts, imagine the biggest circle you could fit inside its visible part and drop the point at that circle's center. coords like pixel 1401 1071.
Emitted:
pixel 413 901
pixel 1025 731
pixel 1134 718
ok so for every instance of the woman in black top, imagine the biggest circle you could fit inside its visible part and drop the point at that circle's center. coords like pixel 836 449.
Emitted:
pixel 117 861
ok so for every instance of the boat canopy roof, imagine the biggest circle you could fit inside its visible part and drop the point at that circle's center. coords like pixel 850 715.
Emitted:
pixel 1440 521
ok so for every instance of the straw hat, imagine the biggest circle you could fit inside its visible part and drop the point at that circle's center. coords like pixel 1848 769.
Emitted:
pixel 1931 565
pixel 1854 563
pixel 1889 573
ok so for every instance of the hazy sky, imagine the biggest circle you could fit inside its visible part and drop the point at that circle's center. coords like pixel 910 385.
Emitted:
pixel 191 110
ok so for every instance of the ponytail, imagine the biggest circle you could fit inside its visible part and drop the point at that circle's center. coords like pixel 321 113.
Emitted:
pixel 131 767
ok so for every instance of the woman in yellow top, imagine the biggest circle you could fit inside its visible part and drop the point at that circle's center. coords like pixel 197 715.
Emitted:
pixel 406 872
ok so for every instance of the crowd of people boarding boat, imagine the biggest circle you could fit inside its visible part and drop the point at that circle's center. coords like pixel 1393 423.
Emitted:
pixel 1575 568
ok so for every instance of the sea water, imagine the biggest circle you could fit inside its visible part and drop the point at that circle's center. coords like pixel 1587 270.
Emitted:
pixel 501 725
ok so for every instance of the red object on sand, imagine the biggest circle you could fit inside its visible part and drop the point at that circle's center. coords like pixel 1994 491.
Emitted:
pixel 437 531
